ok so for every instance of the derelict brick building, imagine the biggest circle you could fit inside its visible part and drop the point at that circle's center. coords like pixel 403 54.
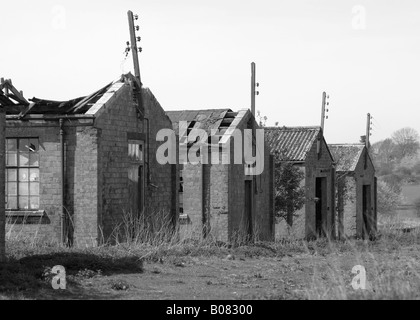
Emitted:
pixel 75 168
pixel 219 200
pixel 356 191
pixel 306 148
pixel 2 161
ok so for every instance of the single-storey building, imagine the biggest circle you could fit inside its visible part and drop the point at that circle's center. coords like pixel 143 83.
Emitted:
pixel 221 199
pixel 307 149
pixel 77 170
pixel 356 191
pixel 2 172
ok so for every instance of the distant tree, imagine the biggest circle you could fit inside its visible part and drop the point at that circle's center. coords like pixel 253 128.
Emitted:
pixel 407 142
pixel 388 198
pixel 384 153
pixel 289 195
pixel 394 181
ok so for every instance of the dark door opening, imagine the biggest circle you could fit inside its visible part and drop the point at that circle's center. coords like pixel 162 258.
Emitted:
pixel 366 211
pixel 140 203
pixel 136 189
pixel 248 209
pixel 321 206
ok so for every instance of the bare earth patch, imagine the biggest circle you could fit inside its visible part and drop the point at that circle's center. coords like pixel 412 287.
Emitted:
pixel 318 270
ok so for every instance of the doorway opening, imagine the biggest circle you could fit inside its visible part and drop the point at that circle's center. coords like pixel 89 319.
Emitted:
pixel 366 210
pixel 248 210
pixel 321 206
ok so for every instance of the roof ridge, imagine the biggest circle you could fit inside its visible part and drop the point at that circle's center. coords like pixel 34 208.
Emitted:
pixel 346 144
pixel 197 110
pixel 294 127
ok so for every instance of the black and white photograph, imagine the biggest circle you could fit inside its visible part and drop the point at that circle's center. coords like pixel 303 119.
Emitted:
pixel 208 155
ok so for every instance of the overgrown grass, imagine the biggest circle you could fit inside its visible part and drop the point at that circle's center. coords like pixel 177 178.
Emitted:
pixel 392 265
pixel 392 261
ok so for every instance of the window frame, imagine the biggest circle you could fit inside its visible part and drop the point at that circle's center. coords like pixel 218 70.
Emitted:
pixel 135 145
pixel 18 167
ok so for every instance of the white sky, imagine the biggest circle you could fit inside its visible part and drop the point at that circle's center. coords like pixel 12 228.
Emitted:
pixel 197 54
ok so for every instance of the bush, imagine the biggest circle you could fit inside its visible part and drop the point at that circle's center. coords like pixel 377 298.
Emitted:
pixel 404 171
pixel 394 181
pixel 388 198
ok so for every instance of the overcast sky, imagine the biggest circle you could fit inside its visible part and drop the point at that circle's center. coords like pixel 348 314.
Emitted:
pixel 197 55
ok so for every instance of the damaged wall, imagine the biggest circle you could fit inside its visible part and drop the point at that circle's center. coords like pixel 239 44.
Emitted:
pixel 96 171
pixel 2 179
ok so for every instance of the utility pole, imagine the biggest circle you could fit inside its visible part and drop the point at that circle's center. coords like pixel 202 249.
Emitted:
pixel 324 111
pixel 133 42
pixel 368 129
pixel 254 85
pixel 254 187
pixel 137 91
pixel 254 93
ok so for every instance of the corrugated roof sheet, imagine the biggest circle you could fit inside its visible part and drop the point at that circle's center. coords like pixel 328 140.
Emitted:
pixel 346 155
pixel 206 119
pixel 293 143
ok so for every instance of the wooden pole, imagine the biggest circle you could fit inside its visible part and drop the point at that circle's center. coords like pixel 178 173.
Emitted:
pixel 368 131
pixel 134 48
pixel 253 77
pixel 324 98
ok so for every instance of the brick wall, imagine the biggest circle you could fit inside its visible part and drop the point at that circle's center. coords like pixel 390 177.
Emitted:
pixel 346 206
pixel 46 228
pixel 2 196
pixel 96 171
pixel 86 188
pixel 216 192
pixel 264 211
pixel 116 121
pixel 350 202
pixel 193 200
pixel 304 224
pixel 322 167
pixel 206 195
pixel 164 179
pixel 219 201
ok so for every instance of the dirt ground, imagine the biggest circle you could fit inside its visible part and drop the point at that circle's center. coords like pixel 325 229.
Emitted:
pixel 311 275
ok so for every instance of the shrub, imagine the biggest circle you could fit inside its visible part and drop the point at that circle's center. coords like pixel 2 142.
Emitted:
pixel 394 181
pixel 388 198
pixel 404 171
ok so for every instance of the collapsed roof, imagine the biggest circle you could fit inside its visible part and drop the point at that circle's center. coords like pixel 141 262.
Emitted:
pixel 16 104
pixel 211 119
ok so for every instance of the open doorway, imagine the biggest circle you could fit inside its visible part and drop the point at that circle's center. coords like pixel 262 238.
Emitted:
pixel 366 210
pixel 140 189
pixel 321 206
pixel 248 209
